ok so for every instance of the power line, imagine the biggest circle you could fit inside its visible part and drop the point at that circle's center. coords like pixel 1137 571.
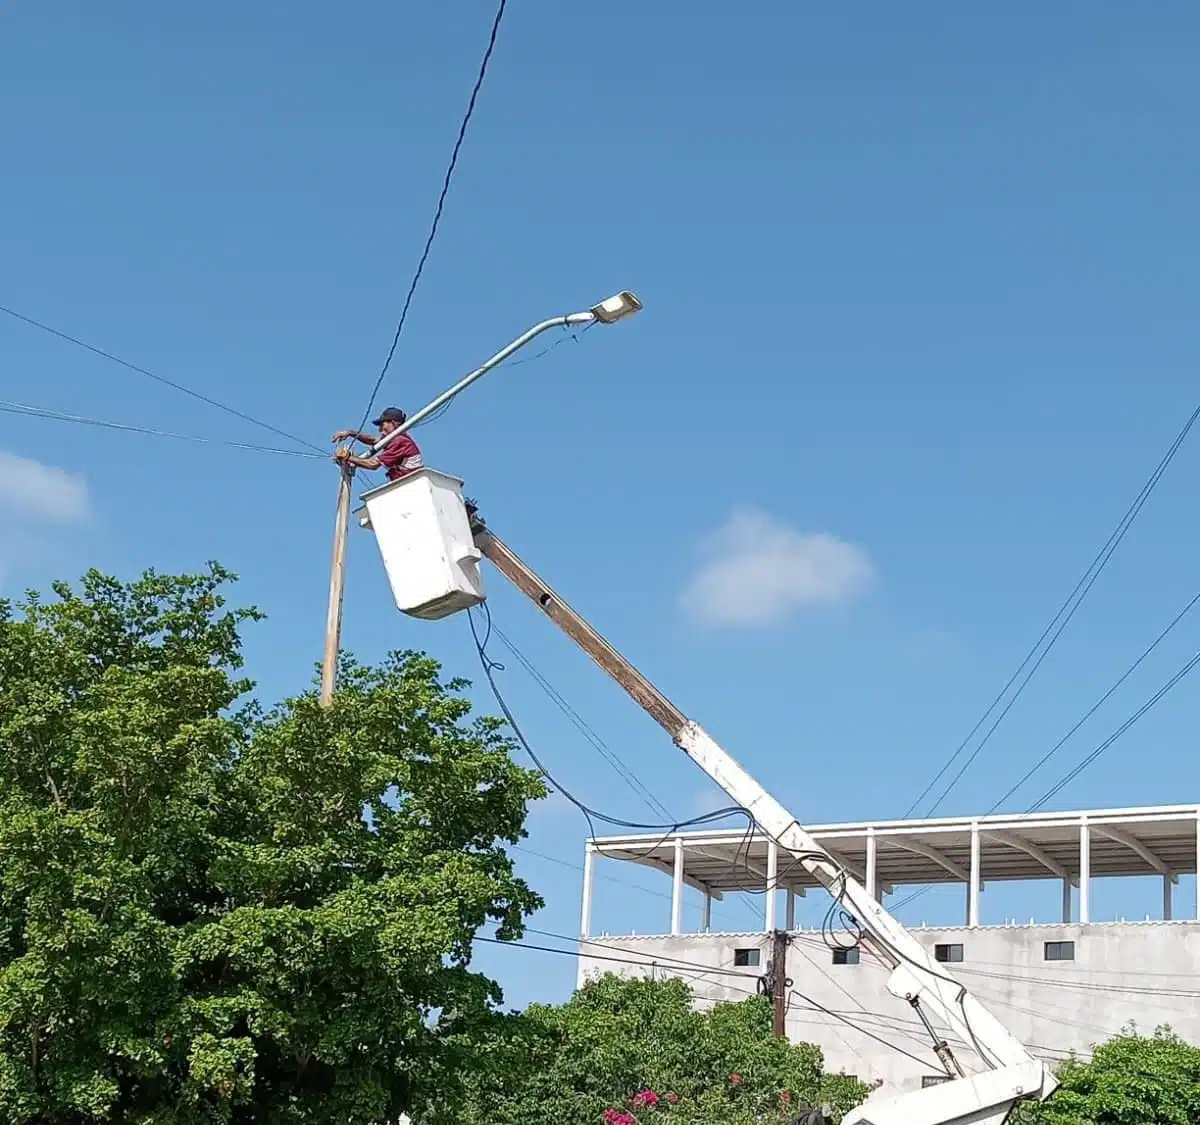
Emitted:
pixel 1150 703
pixel 1097 705
pixel 1107 987
pixel 861 1030
pixel 676 963
pixel 992 969
pixel 1090 758
pixel 1105 744
pixel 157 378
pixel 889 1022
pixel 1061 619
pixel 437 215
pixel 622 770
pixel 28 411
pixel 590 815
pixel 714 970
pixel 646 963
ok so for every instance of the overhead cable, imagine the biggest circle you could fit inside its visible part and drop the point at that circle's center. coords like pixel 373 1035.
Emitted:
pixel 1099 750
pixel 1097 705
pixel 837 914
pixel 25 410
pixel 591 815
pixel 671 963
pixel 158 378
pixel 1053 630
pixel 619 766
pixel 441 204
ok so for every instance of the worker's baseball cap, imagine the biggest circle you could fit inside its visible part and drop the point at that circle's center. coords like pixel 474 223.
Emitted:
pixel 391 414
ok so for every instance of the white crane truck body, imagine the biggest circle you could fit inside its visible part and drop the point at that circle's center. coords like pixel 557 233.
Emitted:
pixel 422 525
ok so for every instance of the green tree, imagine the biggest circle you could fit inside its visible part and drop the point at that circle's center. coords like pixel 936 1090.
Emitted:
pixel 1130 1080
pixel 211 912
pixel 637 1050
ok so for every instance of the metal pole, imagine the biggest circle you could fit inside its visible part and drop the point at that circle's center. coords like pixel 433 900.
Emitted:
pixel 976 876
pixel 337 585
pixel 483 369
pixel 589 867
pixel 677 889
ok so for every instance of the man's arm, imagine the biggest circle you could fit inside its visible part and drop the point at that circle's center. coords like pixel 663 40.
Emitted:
pixel 354 435
pixel 345 457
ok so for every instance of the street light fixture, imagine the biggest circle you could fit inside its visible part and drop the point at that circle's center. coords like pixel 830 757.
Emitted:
pixel 617 307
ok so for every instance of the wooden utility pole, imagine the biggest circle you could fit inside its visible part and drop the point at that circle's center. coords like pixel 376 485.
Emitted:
pixel 779 982
pixel 337 584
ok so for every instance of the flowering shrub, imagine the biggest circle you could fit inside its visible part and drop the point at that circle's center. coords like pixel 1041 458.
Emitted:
pixel 706 1109
pixel 638 1052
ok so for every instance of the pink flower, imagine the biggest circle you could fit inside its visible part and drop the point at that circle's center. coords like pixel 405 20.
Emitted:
pixel 644 1098
pixel 619 1117
pixel 672 1098
pixel 785 1096
pixel 735 1079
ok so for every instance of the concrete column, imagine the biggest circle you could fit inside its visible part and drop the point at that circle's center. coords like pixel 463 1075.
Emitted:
pixel 707 912
pixel 1166 898
pixel 1066 910
pixel 772 875
pixel 1085 871
pixel 976 874
pixel 872 872
pixel 677 889
pixel 585 914
pixel 791 909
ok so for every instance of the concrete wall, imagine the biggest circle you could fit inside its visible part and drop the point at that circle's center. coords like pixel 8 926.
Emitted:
pixel 1123 973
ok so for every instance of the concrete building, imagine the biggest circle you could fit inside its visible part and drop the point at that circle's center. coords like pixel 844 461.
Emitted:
pixel 1060 987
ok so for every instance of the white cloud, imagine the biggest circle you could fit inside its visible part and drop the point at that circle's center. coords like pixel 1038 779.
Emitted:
pixel 759 571
pixel 38 493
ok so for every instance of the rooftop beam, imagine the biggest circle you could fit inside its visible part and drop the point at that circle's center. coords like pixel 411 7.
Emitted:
pixel 855 870
pixel 1033 851
pixel 752 868
pixel 667 868
pixel 929 853
pixel 1013 840
pixel 1137 847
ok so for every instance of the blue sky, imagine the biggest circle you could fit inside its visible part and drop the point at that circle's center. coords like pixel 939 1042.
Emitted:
pixel 922 282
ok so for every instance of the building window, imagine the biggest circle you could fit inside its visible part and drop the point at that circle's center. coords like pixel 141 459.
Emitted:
pixel 1060 951
pixel 747 957
pixel 845 956
pixel 928 1080
pixel 948 953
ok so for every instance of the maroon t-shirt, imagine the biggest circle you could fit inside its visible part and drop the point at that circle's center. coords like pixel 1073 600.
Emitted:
pixel 400 457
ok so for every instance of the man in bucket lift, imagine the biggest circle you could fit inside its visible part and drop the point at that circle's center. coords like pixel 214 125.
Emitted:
pixel 399 457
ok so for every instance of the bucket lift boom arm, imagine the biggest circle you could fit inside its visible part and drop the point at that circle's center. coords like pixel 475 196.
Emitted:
pixel 1010 1073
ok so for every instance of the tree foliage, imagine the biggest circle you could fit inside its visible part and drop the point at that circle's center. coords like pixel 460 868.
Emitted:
pixel 1130 1080
pixel 198 923
pixel 636 1051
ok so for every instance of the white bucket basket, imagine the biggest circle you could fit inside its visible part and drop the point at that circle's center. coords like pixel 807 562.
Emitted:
pixel 424 535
